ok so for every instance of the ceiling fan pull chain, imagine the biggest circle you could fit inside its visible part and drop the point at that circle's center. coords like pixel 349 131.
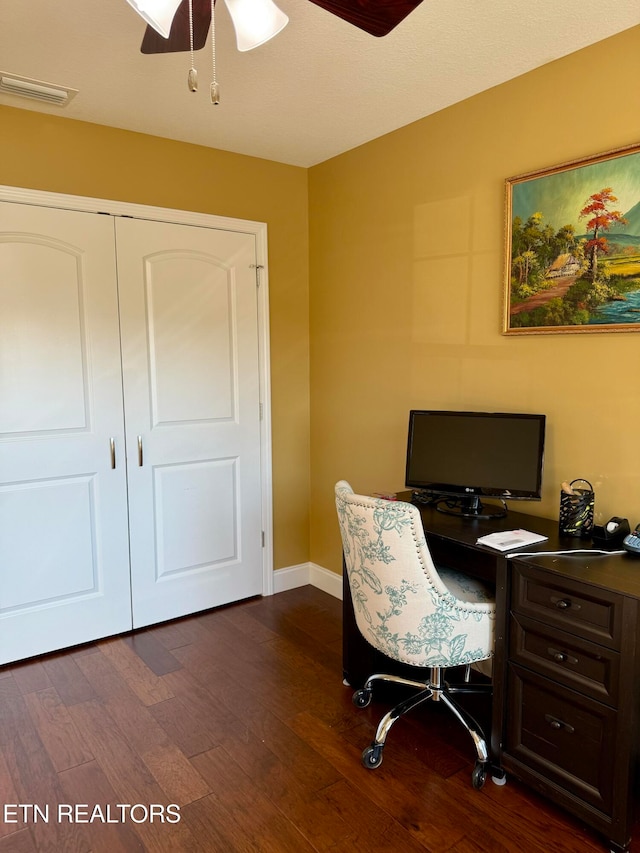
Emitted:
pixel 192 79
pixel 215 88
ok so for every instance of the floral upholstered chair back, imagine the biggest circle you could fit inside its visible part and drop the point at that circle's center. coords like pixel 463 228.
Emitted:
pixel 403 606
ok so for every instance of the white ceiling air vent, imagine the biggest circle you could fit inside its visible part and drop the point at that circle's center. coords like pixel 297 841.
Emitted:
pixel 24 87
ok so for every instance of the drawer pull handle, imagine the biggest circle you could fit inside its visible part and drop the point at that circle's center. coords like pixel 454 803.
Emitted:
pixel 564 603
pixel 558 724
pixel 562 657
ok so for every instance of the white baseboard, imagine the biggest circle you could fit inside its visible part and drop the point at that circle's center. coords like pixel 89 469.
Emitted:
pixel 307 573
pixel 325 580
pixel 290 577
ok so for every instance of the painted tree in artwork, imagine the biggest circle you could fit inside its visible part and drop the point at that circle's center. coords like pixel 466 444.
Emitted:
pixel 600 219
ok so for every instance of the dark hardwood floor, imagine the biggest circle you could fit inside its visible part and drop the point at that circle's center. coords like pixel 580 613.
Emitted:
pixel 239 717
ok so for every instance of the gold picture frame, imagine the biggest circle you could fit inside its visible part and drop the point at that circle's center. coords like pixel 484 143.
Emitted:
pixel 572 255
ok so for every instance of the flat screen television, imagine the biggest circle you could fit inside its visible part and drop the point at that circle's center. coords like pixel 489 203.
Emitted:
pixel 457 458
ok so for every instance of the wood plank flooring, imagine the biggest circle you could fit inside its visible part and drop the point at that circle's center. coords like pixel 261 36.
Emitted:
pixel 237 721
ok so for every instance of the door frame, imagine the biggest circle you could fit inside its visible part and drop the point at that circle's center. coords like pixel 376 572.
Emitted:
pixel 87 204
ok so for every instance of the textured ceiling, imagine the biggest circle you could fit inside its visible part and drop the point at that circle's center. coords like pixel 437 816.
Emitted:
pixel 319 88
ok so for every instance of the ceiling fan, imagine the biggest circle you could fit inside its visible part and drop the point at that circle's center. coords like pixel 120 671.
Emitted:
pixel 376 17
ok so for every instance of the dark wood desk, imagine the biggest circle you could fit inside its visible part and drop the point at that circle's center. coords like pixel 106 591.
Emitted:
pixel 566 698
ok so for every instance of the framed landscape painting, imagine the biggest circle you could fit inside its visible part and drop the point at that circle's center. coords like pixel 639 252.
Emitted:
pixel 572 260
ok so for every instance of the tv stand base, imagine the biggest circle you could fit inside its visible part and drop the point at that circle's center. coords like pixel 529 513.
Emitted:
pixel 471 508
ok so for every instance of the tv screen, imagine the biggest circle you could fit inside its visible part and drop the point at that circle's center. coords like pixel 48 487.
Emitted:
pixel 468 455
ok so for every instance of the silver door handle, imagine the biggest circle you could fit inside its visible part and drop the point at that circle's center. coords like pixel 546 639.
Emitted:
pixel 112 448
pixel 140 451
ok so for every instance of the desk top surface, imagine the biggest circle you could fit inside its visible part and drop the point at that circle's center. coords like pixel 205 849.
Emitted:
pixel 616 572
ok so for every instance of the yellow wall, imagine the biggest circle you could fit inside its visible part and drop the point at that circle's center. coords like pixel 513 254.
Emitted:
pixel 59 155
pixel 406 244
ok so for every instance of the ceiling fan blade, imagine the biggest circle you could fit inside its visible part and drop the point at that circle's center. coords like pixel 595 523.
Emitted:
pixel 376 17
pixel 179 39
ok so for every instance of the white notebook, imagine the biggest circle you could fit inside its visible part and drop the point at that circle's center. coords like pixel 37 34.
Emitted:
pixel 507 539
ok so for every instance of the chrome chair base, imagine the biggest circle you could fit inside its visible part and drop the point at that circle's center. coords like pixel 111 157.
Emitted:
pixel 435 690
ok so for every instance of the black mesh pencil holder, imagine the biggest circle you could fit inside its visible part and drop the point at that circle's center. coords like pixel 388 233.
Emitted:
pixel 576 510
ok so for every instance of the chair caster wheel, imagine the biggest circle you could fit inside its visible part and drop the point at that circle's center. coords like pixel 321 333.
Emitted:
pixel 479 775
pixel 361 698
pixel 372 756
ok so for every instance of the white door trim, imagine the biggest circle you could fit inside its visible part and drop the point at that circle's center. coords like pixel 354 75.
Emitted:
pixel 87 204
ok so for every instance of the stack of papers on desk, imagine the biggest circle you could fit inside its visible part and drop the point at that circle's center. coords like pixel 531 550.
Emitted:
pixel 507 539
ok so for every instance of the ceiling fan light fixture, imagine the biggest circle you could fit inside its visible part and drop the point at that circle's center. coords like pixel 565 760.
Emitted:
pixel 255 21
pixel 159 14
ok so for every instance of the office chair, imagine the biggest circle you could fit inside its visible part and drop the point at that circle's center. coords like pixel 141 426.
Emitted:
pixel 413 613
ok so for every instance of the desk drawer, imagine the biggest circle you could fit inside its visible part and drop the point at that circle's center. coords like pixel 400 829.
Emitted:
pixel 566 737
pixel 589 612
pixel 567 659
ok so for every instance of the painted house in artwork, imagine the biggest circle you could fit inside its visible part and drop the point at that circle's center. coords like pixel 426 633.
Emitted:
pixel 563 265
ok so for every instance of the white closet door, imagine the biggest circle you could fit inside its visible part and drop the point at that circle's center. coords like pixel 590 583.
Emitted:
pixel 188 306
pixel 64 563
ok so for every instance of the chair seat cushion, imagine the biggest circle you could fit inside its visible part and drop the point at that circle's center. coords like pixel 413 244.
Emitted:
pixel 465 588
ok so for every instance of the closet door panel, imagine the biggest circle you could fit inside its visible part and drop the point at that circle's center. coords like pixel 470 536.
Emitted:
pixel 190 364
pixel 64 566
